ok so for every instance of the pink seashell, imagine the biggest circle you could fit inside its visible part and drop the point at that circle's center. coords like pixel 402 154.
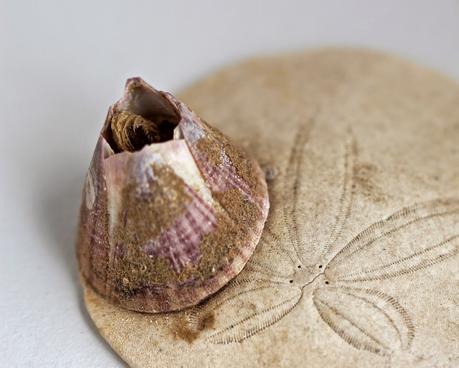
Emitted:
pixel 171 209
pixel 180 243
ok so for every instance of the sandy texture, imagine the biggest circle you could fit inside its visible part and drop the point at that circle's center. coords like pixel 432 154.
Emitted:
pixel 358 263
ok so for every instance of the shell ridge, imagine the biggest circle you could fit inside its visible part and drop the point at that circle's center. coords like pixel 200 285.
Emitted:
pixel 197 220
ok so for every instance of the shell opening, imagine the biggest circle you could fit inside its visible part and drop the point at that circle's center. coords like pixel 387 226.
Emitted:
pixel 142 117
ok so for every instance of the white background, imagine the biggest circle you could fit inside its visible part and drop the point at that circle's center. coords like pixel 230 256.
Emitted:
pixel 63 62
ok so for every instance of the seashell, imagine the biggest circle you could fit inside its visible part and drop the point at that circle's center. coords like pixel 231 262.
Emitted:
pixel 171 209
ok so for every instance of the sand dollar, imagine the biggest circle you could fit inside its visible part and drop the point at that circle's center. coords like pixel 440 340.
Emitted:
pixel 357 265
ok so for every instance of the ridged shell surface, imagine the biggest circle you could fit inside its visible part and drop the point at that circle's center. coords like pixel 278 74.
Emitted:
pixel 165 226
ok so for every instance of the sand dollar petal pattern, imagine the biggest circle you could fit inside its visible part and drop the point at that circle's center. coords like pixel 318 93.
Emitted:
pixel 382 325
pixel 254 314
pixel 317 193
pixel 312 199
pixel 411 239
pixel 272 247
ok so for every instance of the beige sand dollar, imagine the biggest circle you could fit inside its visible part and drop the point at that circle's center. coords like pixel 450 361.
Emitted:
pixel 357 266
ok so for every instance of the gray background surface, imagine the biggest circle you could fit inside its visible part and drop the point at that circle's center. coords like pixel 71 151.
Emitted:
pixel 62 63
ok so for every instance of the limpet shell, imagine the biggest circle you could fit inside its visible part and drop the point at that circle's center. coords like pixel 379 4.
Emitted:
pixel 171 209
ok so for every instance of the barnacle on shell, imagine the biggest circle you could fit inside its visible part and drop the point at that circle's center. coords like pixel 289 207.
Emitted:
pixel 171 209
